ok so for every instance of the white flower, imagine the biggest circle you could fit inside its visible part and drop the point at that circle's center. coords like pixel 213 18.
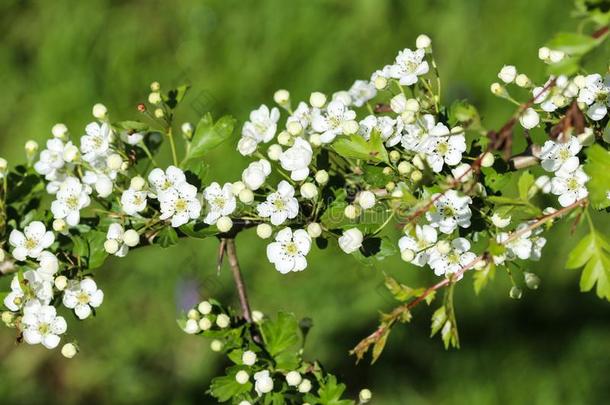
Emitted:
pixel 288 251
pixel 508 74
pixel 450 211
pixel 301 114
pixel 543 183
pixel 256 173
pixel 133 201
pixel 296 159
pixel 408 65
pixel 132 138
pixel 415 135
pixel 384 125
pixel 247 145
pixel 280 205
pixel 443 148
pixel 42 325
pixel 526 246
pixel 529 119
pixel 499 221
pixel 31 242
pixel 71 197
pixel 164 181
pixel 248 358
pixel 103 184
pixel 366 199
pixel 96 142
pixel 263 382
pixel 52 158
pixel 345 96
pixel 115 233
pixel 553 97
pixel 180 204
pixel 330 123
pixel 560 156
pixel 221 201
pixel 293 378
pixel 37 284
pixel 570 187
pixel 424 240
pixel 262 124
pixel 351 240
pixel 452 261
pixel 595 94
pixel 361 92
pixel 82 296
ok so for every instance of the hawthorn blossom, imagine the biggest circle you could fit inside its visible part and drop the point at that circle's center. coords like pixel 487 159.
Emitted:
pixel 570 187
pixel 221 202
pixel 288 252
pixel 385 126
pixel 526 245
pixel 52 159
pixel 82 296
pixel 296 159
pixel 96 142
pixel 408 65
pixel 133 201
pixel 256 173
pixel 280 205
pixel 450 211
pixel 164 181
pixel 301 114
pixel 330 123
pixel 262 125
pixel 38 288
pixel 116 233
pixel 351 240
pixel 553 97
pixel 71 197
pixel 180 204
pixel 263 383
pixel 102 183
pixel 458 256
pixel 415 135
pixel 132 138
pixel 595 94
pixel 361 92
pixel 421 244
pixel 41 324
pixel 560 156
pixel 443 148
pixel 31 242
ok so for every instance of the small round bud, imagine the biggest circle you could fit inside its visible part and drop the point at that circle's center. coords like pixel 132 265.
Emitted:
pixel 544 53
pixel 293 378
pixel 443 247
pixel 314 230
pixel 257 316
pixel 187 129
pixel 365 396
pixel 404 167
pixel 31 147
pixel 580 81
pixel 412 105
pixel 380 82
pixel 154 98
pixel 242 377
pixel 498 90
pixel 99 111
pixel 556 56
pixel 418 162
pixel 224 224
pixel 103 186
pixel 205 323
pixel 351 211
pixel 131 238
pixel 204 307
pixel 7 317
pixel 237 187
pixel 282 97
pixel 69 350
pixel 223 321
pixel 322 177
pixel 114 161
pixel 248 358
pixel 191 327
pixel 294 128
pixel 499 221
pixel 522 80
pixel 137 183
pixel 274 152
pixel 60 225
pixel 317 99
pixel 141 107
pixel 304 386
pixel 531 280
pixel 398 103
pixel 246 196
pixel 155 86
pixel 61 282
pixel 508 74
pixel 309 191
pixel 423 41
pixel 416 176
pixel 387 170
pixel 216 345
pixel 70 153
pixel 60 131
pixel 111 246
pixel 515 293
pixel 264 231
pixel 284 138
pixel 366 199
pixel 529 119
pixel 488 159
pixel 193 314
pixel 350 127
pixel 315 140
pixel 390 186
pixel 394 155
pixel 407 255
pixel 159 113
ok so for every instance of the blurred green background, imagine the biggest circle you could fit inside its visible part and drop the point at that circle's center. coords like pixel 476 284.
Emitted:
pixel 60 57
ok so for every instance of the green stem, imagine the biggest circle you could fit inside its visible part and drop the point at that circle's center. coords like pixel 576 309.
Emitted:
pixel 170 135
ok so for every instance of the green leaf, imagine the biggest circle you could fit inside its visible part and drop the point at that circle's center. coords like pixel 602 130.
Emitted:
pixel 573 43
pixel 132 125
pixel 330 392
pixel 167 237
pixel 592 252
pixel 175 96
pixel 226 387
pixel 439 317
pixel 463 113
pixel 598 169
pixel 526 181
pixel 280 334
pixel 198 230
pixel 483 276
pixel 90 247
pixel 401 292
pixel 209 134
pixel 356 147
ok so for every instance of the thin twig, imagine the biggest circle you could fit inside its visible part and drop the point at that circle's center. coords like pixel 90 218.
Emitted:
pixel 239 281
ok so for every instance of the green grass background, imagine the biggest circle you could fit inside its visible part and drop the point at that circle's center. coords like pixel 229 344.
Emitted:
pixel 60 57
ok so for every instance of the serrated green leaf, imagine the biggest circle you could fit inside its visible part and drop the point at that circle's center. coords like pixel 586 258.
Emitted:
pixel 483 276
pixel 281 333
pixel 401 292
pixel 226 387
pixel 598 169
pixel 592 252
pixel 572 43
pixel 356 147
pixel 208 135
pixel 199 230
pixel 330 392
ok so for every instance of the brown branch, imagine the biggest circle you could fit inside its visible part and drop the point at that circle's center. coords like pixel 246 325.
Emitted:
pixel 237 276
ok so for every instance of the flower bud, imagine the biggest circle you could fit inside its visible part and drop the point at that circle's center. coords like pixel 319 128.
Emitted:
pixel 60 131
pixel 418 162
pixel 60 225
pixel 529 119
pixel 390 186
pixel 131 238
pixel 204 307
pixel 31 147
pixel 216 345
pixel 580 81
pixel 246 196
pixel 423 41
pixel 99 111
pixel 531 280
pixel 500 222
pixel 274 152
pixel 193 314
pixel 366 199
pixel 309 191
pixel 398 103
pixel 191 327
pixel 508 74
pixel 380 82
pixel 159 113
pixel 293 378
pixel 187 130
pixel 412 105
pixel 416 176
pixel 294 128
pixel 205 324
pixel 282 97
pixel 317 99
pixel 111 246
pixel 70 153
pixel 304 386
pixel 237 187
pixel 137 183
pixel 394 155
pixel 224 224
pixel 407 255
pixel 350 127
pixel 69 350
pixel 264 231
pixel 284 138
pixel 498 90
pixel 365 396
pixel 556 56
pixel 223 321
pixel 515 293
pixel 488 159
pixel 242 377
pixel 247 145
pixel 387 170
pixel 314 230
pixel 257 316
pixel 443 247
pixel 522 80
pixel 154 98
pixel 544 53
pixel 404 167
pixel 248 358
pixel 7 317
pixel 315 140
pixel 351 211
pixel 155 86
pixel 322 177
pixel 114 161
pixel 61 282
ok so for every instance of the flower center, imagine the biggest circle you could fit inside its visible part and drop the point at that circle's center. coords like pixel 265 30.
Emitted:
pixel 279 204
pixel 219 202
pixel 442 147
pixel 291 248
pixel 83 297
pixel 72 202
pixel 181 204
pixel 448 211
pixel 564 154
pixel 31 244
pixel 44 328
pixel 572 184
